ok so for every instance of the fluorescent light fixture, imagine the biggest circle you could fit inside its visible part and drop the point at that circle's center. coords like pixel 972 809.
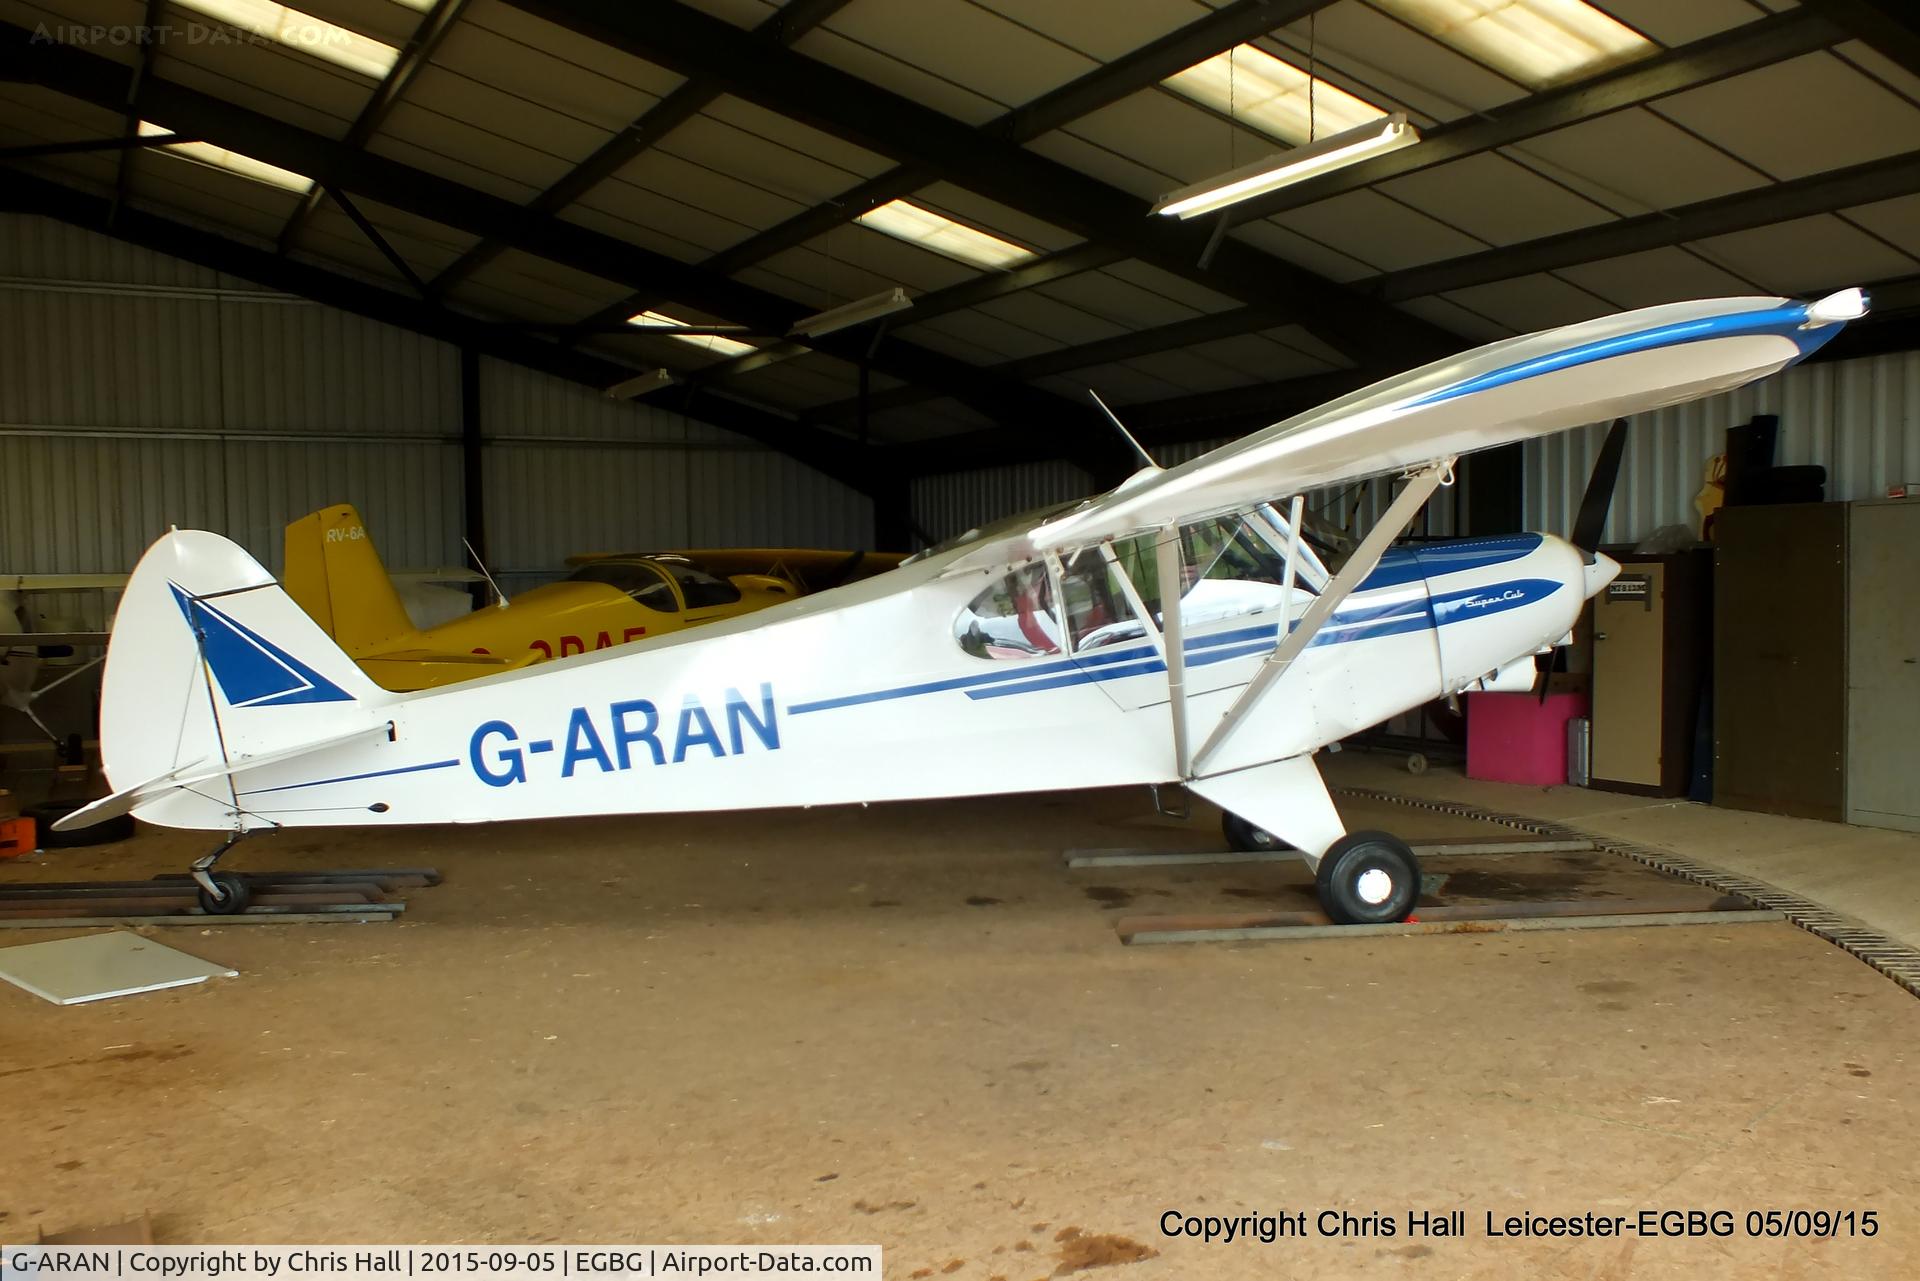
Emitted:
pixel 1252 87
pixel 1537 42
pixel 884 303
pixel 1389 133
pixel 716 343
pixel 941 234
pixel 232 161
pixel 304 32
pixel 652 380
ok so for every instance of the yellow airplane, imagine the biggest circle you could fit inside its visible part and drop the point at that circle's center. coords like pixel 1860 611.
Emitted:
pixel 336 576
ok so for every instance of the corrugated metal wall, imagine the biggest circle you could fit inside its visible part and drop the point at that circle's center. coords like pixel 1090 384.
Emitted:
pixel 1860 419
pixel 138 391
pixel 571 471
pixel 944 506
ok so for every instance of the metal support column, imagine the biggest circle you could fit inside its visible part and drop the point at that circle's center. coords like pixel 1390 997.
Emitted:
pixel 473 476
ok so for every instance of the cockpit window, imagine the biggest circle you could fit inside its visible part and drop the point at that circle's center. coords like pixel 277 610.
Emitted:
pixel 1098 611
pixel 701 589
pixel 643 582
pixel 1013 618
pixel 1230 567
pixel 646 582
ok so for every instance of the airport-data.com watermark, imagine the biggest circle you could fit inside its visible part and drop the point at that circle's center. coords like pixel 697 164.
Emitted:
pixel 136 34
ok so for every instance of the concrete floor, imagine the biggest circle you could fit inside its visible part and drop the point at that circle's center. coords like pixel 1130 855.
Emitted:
pixel 910 1025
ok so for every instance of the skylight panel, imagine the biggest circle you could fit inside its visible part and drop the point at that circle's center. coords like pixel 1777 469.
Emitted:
pixel 1270 94
pixel 929 230
pixel 1537 42
pixel 304 32
pixel 719 344
pixel 232 161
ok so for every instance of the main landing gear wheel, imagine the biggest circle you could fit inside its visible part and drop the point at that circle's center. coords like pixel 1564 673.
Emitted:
pixel 234 895
pixel 1368 878
pixel 1244 836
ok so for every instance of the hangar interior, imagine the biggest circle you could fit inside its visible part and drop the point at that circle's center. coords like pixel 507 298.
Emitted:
pixel 509 285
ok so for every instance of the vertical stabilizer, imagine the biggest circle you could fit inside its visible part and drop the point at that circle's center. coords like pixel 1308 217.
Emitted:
pixel 336 576
pixel 210 664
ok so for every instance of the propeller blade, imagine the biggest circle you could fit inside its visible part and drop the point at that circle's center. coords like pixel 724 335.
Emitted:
pixel 1592 517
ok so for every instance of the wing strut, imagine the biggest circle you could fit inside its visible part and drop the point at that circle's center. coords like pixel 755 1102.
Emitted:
pixel 1173 639
pixel 1420 486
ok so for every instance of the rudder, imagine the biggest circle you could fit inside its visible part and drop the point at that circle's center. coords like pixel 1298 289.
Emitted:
pixel 334 573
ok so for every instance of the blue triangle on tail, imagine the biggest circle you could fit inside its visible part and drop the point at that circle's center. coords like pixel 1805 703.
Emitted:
pixel 252 670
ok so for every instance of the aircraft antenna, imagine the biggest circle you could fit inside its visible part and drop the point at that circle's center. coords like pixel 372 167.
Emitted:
pixel 500 597
pixel 1146 459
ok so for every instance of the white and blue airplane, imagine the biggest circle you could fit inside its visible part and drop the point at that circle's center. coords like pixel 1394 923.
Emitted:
pixel 1178 629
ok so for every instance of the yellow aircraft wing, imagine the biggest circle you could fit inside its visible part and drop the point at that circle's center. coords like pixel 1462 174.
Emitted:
pixel 812 569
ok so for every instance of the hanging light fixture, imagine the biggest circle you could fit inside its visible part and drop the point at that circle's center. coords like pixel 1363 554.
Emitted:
pixel 1376 137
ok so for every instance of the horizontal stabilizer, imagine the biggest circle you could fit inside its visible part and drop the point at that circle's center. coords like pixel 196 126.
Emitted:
pixel 202 771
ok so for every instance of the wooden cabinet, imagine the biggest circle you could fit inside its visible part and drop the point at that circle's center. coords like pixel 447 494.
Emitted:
pixel 1779 635
pixel 1817 661
pixel 1648 654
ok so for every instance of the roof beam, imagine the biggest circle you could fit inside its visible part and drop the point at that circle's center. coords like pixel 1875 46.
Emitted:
pixel 102 81
pixel 413 59
pixel 1818 193
pixel 686 101
pixel 968 293
pixel 1891 27
pixel 26 193
pixel 842 104
pixel 145 37
pixel 1130 346
pixel 1717 57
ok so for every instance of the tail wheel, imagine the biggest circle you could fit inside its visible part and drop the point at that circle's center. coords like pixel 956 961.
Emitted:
pixel 1368 878
pixel 235 894
pixel 1244 836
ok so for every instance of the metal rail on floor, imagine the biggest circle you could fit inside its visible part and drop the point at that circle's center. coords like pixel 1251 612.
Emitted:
pixel 1892 958
pixel 1702 898
pixel 278 898
pixel 1129 857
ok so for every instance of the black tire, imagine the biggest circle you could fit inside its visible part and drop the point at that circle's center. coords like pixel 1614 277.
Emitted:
pixel 47 813
pixel 1244 836
pixel 1351 885
pixel 236 894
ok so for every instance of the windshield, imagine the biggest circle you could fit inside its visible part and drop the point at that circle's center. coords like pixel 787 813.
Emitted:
pixel 701 589
pixel 639 579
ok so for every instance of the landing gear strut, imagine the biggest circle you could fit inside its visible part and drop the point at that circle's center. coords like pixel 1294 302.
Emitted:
pixel 1368 878
pixel 221 893
pixel 1247 838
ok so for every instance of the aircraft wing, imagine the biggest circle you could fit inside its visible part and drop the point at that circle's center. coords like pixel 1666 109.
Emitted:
pixel 1506 391
pixel 814 568
pixel 60 582
pixel 752 560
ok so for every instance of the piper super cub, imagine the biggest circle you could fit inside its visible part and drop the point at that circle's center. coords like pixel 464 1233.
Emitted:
pixel 1177 629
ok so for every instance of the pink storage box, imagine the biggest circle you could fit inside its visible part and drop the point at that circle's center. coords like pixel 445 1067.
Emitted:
pixel 1517 738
